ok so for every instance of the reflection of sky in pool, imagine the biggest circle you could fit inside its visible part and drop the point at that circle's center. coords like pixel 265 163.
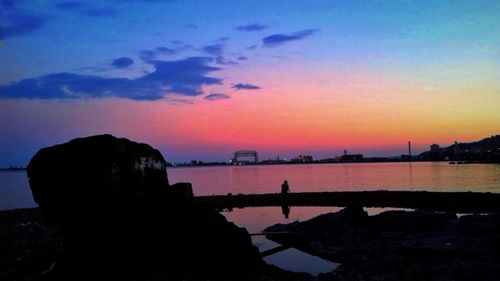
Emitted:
pixel 257 219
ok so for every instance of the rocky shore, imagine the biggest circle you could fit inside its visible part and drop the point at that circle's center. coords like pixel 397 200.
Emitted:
pixel 394 245
pixel 400 245
pixel 32 250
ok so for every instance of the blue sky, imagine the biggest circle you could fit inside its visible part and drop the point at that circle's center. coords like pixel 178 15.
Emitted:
pixel 209 57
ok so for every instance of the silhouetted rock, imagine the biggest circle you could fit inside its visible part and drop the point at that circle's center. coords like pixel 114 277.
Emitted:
pixel 414 222
pixel 120 218
pixel 400 245
pixel 89 175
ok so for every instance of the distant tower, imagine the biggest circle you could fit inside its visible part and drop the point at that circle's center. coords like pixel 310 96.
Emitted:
pixel 409 150
pixel 345 152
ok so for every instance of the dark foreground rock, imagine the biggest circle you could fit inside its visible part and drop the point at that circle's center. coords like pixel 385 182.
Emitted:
pixel 30 247
pixel 112 215
pixel 401 245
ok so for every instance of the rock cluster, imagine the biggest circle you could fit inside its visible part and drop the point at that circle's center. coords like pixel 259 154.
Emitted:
pixel 401 245
pixel 120 219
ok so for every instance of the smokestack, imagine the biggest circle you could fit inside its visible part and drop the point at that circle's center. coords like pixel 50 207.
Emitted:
pixel 409 150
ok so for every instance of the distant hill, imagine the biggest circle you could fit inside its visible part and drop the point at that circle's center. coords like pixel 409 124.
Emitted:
pixel 485 150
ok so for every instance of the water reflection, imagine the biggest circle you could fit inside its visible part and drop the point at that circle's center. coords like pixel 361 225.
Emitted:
pixel 285 209
pixel 257 219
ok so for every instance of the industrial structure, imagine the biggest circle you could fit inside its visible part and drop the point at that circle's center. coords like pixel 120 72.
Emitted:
pixel 241 157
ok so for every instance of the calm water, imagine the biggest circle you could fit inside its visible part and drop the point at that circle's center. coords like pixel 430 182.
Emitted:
pixel 430 176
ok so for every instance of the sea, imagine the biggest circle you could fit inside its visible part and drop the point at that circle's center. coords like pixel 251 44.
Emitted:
pixel 252 179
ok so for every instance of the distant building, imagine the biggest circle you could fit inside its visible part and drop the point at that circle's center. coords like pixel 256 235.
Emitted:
pixel 435 148
pixel 243 157
pixel 303 159
pixel 351 158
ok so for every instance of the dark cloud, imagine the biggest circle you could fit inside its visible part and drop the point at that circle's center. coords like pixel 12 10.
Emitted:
pixel 242 58
pixel 253 47
pixel 192 26
pixel 251 27
pixel 241 86
pixel 148 55
pixel 165 50
pixel 21 23
pixel 122 62
pixel 177 100
pixel 92 69
pixel 213 97
pixel 279 39
pixel 224 61
pixel 186 90
pixel 183 77
pixel 215 49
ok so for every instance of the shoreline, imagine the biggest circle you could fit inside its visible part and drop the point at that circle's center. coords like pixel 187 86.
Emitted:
pixel 218 164
pixel 457 202
pixel 30 246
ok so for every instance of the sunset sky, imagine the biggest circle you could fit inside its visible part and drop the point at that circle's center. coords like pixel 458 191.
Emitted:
pixel 201 79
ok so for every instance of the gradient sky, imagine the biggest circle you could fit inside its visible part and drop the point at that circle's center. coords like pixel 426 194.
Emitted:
pixel 201 79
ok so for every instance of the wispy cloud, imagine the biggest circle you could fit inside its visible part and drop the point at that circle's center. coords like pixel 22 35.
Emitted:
pixel 215 96
pixel 280 39
pixel 251 27
pixel 148 55
pixel 165 50
pixel 242 86
pixel 182 77
pixel 122 62
pixel 222 60
pixel 215 49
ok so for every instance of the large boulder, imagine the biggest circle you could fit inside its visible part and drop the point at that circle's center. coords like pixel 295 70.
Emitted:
pixel 117 213
pixel 88 175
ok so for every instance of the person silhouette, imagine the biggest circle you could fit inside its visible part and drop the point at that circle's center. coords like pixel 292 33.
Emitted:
pixel 285 188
